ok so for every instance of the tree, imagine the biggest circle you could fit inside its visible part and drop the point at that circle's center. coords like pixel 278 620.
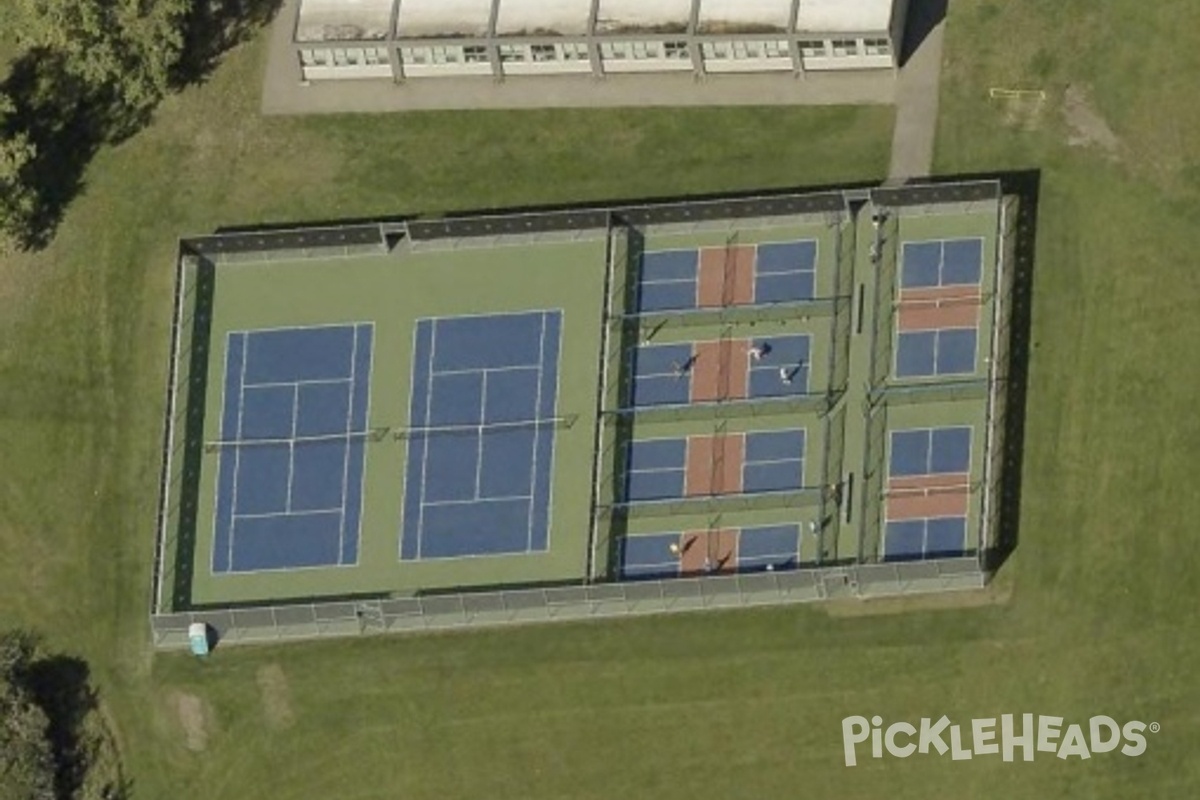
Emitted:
pixel 18 199
pixel 27 768
pixel 125 49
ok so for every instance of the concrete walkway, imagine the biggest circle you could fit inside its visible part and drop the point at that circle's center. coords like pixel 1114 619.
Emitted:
pixel 917 107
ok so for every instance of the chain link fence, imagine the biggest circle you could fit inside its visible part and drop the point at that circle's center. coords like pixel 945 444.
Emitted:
pixel 599 601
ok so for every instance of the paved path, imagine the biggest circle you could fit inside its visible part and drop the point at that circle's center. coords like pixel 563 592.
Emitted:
pixel 917 105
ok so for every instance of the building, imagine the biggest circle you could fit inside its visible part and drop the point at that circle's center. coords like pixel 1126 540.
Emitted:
pixel 407 40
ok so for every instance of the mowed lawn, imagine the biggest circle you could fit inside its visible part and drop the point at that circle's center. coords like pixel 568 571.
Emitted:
pixel 1095 613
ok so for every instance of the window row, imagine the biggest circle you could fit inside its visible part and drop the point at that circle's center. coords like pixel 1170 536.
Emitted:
pixel 610 51
pixel 740 50
pixel 344 57
pixel 842 48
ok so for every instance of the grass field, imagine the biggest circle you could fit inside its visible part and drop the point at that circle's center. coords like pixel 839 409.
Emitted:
pixel 1095 613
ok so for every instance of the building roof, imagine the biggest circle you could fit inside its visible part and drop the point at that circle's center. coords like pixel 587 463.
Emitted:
pixel 343 20
pixel 744 16
pixel 538 17
pixel 631 16
pixel 435 18
pixel 844 16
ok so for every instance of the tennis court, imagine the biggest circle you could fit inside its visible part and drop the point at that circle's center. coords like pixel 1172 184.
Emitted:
pixel 732 275
pixel 289 489
pixel 481 435
pixel 676 553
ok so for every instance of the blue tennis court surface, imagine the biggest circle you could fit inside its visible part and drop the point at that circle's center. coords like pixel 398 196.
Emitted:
pixel 939 537
pixel 655 469
pixel 669 280
pixel 481 441
pixel 785 272
pixel 776 546
pixel 784 369
pixel 947 351
pixel 659 375
pixel 774 461
pixel 930 451
pixel 289 486
pixel 942 262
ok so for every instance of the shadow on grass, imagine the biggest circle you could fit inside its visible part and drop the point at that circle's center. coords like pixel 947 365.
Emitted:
pixel 68 121
pixel 1026 186
pixel 86 762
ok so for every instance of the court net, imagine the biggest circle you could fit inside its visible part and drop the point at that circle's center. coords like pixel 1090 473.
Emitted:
pixel 958 487
pixel 371 435
pixel 951 301
pixel 546 423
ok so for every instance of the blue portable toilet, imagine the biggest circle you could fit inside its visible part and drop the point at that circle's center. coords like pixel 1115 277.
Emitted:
pixel 198 637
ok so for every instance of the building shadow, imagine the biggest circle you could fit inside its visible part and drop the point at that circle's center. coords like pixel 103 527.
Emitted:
pixel 923 17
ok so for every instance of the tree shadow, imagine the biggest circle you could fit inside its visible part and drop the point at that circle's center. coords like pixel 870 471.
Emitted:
pixel 68 122
pixel 214 27
pixel 61 686
pixel 52 111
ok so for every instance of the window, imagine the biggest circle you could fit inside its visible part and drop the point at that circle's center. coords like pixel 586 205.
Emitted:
pixel 415 55
pixel 647 50
pixel 877 47
pixel 543 52
pixel 675 50
pixel 376 56
pixel 475 54
pixel 715 50
pixel 574 51
pixel 812 48
pixel 845 47
pixel 776 49
pixel 614 50
pixel 513 52
pixel 314 58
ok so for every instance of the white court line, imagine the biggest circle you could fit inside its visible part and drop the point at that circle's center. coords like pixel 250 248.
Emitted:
pixel 561 317
pixel 237 453
pixel 270 514
pixel 216 500
pixel 664 281
pixel 479 433
pixel 472 501
pixel 365 450
pixel 537 407
pixel 287 503
pixel 476 370
pixel 756 462
pixel 346 444
pixel 655 469
pixel 425 443
pixel 316 327
pixel 307 382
